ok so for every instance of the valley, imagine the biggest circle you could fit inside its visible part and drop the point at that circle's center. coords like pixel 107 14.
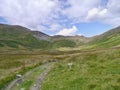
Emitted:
pixel 95 60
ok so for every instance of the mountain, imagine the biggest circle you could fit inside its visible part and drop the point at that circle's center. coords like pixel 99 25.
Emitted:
pixel 110 38
pixel 20 37
pixel 41 35
pixel 68 41
pixel 80 40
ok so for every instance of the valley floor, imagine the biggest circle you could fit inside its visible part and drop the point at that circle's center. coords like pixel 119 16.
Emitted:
pixel 90 70
pixel 32 80
pixel 95 70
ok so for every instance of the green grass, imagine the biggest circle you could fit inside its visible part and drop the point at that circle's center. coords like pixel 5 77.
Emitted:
pixel 27 42
pixel 31 79
pixel 92 69
pixel 63 43
pixel 19 37
pixel 96 65
pixel 12 64
pixel 98 70
pixel 106 40
pixel 26 85
pixel 22 38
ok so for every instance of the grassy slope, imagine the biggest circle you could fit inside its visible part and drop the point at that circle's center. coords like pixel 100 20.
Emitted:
pixel 91 70
pixel 79 40
pixel 31 79
pixel 19 37
pixel 106 40
pixel 11 64
pixel 63 43
pixel 98 70
pixel 67 41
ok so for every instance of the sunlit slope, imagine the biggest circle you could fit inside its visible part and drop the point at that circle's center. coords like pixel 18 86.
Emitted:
pixel 91 70
pixel 107 39
pixel 19 37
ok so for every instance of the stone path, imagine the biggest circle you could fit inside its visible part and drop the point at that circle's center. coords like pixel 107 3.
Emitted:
pixel 38 84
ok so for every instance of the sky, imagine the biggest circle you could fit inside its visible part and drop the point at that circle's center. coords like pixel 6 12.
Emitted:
pixel 62 17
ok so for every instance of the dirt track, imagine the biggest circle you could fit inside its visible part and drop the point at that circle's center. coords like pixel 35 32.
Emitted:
pixel 38 82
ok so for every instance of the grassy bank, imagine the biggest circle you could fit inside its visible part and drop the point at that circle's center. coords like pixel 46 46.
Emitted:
pixel 12 64
pixel 95 70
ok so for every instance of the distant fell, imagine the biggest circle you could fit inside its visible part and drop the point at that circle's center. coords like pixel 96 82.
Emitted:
pixel 13 36
pixel 41 35
pixel 18 37
pixel 110 38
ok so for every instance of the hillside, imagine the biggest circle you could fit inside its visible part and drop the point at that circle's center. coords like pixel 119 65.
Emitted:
pixel 96 69
pixel 91 70
pixel 19 37
pixel 79 40
pixel 40 35
pixel 108 39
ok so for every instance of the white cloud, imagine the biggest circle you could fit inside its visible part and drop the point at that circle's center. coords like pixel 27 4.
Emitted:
pixel 54 15
pixel 113 15
pixel 96 14
pixel 53 27
pixel 114 6
pixel 94 10
pixel 29 13
pixel 92 13
pixel 68 31
pixel 79 8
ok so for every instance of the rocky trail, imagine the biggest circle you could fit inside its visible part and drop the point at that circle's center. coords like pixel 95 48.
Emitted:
pixel 32 80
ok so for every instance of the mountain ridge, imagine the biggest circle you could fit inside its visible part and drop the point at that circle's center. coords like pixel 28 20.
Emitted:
pixel 15 36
